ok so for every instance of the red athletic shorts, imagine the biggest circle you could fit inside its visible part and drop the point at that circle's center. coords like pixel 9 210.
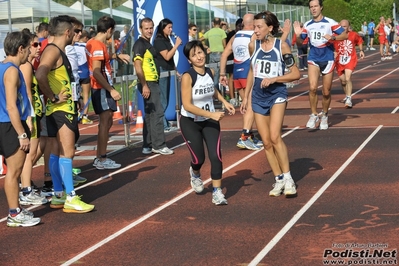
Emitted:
pixel 240 84
pixel 341 68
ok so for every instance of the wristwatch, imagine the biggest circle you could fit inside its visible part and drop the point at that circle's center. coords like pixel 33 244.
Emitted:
pixel 23 136
pixel 56 99
pixel 333 37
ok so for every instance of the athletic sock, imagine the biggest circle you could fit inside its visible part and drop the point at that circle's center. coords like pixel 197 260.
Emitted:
pixel 66 173
pixel 55 172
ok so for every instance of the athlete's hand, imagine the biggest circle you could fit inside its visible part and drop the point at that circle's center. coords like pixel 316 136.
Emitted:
pixel 230 108
pixel 146 92
pixel 217 116
pixel 287 26
pixel 243 107
pixel 63 97
pixel 267 81
pixel 125 58
pixel 223 80
pixel 24 144
pixel 115 95
pixel 297 27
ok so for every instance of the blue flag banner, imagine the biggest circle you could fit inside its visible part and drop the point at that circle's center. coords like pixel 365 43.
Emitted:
pixel 178 14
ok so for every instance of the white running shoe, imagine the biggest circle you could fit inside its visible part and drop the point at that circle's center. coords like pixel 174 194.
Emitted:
pixel 348 102
pixel 106 164
pixel 218 197
pixel 24 218
pixel 196 181
pixel 312 121
pixel 163 151
pixel 32 199
pixel 289 188
pixel 323 122
pixel 278 187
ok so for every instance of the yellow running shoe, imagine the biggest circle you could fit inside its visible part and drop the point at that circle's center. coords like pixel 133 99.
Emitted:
pixel 86 121
pixel 76 205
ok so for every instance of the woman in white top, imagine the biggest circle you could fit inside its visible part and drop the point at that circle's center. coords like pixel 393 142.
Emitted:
pixel 199 120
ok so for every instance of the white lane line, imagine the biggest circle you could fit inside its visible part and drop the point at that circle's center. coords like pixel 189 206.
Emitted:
pixel 360 70
pixel 395 110
pixel 299 214
pixel 155 211
pixel 389 73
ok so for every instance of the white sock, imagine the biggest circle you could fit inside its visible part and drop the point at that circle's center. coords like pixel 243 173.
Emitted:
pixel 287 175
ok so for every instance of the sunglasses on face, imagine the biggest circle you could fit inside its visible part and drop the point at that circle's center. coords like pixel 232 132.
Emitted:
pixel 36 44
pixel 194 29
pixel 77 31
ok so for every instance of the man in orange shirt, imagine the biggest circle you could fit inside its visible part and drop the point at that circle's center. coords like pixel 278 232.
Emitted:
pixel 103 94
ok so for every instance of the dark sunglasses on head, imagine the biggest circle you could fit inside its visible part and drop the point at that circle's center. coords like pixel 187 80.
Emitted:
pixel 36 44
pixel 77 31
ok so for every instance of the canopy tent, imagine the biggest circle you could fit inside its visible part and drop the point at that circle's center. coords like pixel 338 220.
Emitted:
pixel 36 10
pixel 120 17
pixel 218 12
pixel 202 18
pixel 78 6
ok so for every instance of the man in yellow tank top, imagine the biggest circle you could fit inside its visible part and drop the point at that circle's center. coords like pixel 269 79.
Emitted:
pixel 55 78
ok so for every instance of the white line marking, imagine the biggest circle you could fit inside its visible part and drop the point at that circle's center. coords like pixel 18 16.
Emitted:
pixel 375 81
pixel 395 110
pixel 299 214
pixel 155 211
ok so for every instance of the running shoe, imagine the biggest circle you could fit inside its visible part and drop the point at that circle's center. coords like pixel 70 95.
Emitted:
pixel 58 202
pixel 106 164
pixel 372 49
pixel 76 171
pixel 247 143
pixel 47 191
pixel 79 179
pixel 146 151
pixel 278 187
pixel 346 97
pixel 32 199
pixel 348 102
pixel 86 121
pixel 76 205
pixel 163 151
pixel 169 129
pixel 323 122
pixel 256 141
pixel 24 219
pixel 218 197
pixel 289 187
pixel 313 119
pixel 196 181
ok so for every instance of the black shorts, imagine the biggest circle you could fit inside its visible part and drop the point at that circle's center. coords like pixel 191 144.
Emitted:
pixel 371 35
pixel 59 118
pixel 229 69
pixel 85 81
pixel 9 142
pixel 102 101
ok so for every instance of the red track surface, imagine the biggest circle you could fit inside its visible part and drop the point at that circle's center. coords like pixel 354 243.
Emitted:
pixel 147 214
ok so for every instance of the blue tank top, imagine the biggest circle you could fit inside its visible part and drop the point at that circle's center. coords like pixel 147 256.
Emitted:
pixel 23 104
pixel 267 64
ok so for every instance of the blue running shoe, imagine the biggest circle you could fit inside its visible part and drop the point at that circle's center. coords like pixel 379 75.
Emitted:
pixel 256 141
pixel 247 144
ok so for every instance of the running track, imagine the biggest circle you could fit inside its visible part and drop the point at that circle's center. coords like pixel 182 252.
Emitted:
pixel 147 214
